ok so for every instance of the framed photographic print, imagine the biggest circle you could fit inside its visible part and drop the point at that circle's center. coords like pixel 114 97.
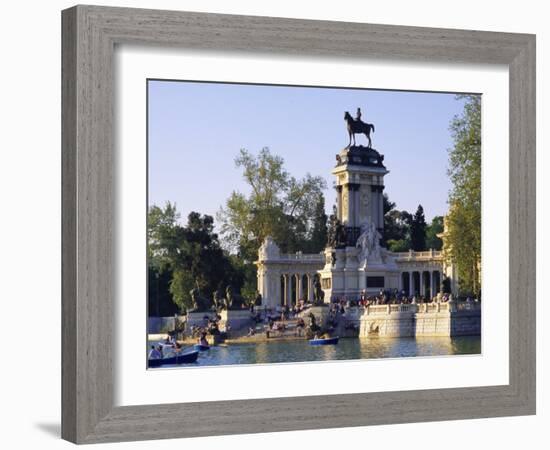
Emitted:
pixel 336 219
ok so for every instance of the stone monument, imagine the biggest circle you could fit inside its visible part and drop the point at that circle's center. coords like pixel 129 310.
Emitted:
pixel 355 262
pixel 201 312
pixel 235 316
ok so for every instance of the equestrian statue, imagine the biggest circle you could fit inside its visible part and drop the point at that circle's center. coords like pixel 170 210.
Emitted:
pixel 357 126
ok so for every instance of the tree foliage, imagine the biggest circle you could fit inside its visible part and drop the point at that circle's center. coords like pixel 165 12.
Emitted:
pixel 464 219
pixel 278 205
pixel 432 230
pixel 397 235
pixel 319 230
pixel 191 254
pixel 161 236
pixel 418 230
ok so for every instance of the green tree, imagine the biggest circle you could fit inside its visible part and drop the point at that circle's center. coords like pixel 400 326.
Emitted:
pixel 399 245
pixel 418 230
pixel 435 227
pixel 159 297
pixel 191 255
pixel 161 235
pixel 200 260
pixel 464 218
pixel 396 227
pixel 278 205
pixel 319 231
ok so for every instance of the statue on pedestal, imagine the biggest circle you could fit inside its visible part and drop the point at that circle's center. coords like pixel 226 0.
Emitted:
pixel 233 301
pixel 200 304
pixel 357 126
pixel 318 294
pixel 258 299
pixel 369 243
pixel 336 233
pixel 219 300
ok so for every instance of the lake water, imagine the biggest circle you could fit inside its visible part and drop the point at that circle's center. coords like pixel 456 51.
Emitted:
pixel 346 349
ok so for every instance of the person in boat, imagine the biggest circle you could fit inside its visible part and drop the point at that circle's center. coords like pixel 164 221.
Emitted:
pixel 154 353
pixel 177 348
pixel 203 341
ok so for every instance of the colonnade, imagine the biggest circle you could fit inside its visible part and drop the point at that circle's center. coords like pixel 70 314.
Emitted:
pixel 421 282
pixel 301 282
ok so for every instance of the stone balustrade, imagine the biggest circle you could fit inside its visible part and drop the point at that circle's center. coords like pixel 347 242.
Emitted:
pixel 298 256
pixel 434 307
pixel 416 319
pixel 417 256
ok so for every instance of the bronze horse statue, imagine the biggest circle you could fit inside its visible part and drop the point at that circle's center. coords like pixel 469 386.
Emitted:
pixel 358 127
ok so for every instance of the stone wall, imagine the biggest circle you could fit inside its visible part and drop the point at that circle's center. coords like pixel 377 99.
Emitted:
pixel 235 320
pixel 156 325
pixel 431 319
pixel 466 323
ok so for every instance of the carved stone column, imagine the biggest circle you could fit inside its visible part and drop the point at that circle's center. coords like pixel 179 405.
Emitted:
pixel 299 287
pixel 285 291
pixel 411 287
pixel 339 202
pixel 309 287
pixel 288 300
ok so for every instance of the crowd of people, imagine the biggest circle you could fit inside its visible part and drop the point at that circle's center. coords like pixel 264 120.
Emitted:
pixel 390 296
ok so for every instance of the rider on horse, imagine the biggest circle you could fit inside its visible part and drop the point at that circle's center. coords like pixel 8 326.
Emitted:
pixel 358 115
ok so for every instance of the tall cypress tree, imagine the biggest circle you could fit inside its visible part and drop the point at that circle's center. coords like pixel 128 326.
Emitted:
pixel 319 231
pixel 418 230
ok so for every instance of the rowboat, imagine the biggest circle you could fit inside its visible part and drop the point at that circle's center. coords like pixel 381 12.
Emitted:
pixel 325 341
pixel 201 348
pixel 185 358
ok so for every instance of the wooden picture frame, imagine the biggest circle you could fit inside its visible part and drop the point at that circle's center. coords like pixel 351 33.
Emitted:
pixel 90 34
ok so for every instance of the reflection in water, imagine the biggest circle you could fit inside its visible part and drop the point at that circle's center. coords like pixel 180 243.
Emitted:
pixel 362 348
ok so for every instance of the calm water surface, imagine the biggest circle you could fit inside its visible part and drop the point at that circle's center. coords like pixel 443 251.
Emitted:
pixel 360 348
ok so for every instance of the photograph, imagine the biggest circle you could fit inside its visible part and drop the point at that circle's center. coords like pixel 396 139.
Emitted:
pixel 291 224
pixel 275 224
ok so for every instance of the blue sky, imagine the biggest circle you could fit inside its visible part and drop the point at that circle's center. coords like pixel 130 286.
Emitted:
pixel 196 130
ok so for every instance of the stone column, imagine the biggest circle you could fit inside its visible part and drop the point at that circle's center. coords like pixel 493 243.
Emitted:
pixel 277 299
pixel 357 206
pixel 421 283
pixel 339 202
pixel 299 287
pixel 285 292
pixel 432 284
pixel 380 207
pixel 411 287
pixel 309 287
pixel 374 204
pixel 288 301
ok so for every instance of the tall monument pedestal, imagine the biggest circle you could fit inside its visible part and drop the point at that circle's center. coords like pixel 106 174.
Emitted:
pixel 235 319
pixel 321 314
pixel 355 262
pixel 198 319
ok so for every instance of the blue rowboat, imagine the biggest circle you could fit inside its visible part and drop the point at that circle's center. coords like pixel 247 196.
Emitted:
pixel 185 358
pixel 325 341
pixel 201 348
